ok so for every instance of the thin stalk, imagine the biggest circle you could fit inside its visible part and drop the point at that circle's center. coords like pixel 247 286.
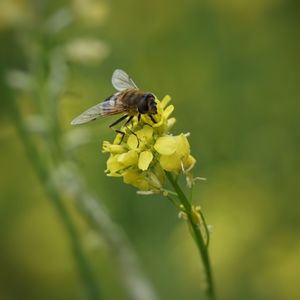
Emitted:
pixel 198 237
pixel 173 202
pixel 205 228
pixel 138 286
pixel 45 179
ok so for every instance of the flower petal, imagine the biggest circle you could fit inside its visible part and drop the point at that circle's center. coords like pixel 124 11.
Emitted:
pixel 132 142
pixel 114 166
pixel 129 158
pixel 165 101
pixel 145 160
pixel 170 123
pixel 137 179
pixel 107 147
pixel 189 163
pixel 171 163
pixel 183 146
pixel 168 111
pixel 145 133
pixel 166 145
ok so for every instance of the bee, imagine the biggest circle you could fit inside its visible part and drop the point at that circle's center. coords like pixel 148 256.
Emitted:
pixel 128 100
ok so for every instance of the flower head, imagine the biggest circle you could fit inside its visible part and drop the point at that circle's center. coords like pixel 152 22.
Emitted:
pixel 147 150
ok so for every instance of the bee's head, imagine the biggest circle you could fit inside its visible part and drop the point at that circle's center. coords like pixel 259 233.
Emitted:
pixel 147 104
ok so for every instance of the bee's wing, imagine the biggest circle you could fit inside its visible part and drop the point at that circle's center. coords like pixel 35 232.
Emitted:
pixel 106 108
pixel 121 81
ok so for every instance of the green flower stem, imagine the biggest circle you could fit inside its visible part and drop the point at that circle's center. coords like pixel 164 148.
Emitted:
pixel 202 247
pixel 205 228
pixel 173 201
pixel 44 176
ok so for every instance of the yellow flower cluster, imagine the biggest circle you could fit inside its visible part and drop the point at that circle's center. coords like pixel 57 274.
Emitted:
pixel 147 150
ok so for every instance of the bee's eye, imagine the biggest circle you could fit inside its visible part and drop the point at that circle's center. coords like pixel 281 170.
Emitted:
pixel 151 103
pixel 147 104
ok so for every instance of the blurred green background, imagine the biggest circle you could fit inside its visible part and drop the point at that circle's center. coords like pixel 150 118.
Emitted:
pixel 232 69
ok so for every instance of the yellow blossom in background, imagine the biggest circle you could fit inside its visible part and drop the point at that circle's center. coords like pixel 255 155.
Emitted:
pixel 86 50
pixel 14 13
pixel 90 12
pixel 148 150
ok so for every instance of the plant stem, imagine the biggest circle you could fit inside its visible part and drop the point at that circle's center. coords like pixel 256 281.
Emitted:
pixel 200 242
pixel 45 178
pixel 205 228
pixel 138 286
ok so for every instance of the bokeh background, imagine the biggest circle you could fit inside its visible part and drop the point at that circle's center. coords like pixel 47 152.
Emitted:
pixel 232 69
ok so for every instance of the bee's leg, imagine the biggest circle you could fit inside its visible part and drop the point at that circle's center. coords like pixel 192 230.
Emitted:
pixel 150 116
pixel 117 122
pixel 120 132
pixel 130 118
pixel 152 119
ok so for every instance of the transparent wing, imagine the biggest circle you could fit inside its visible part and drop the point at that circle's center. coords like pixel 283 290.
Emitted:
pixel 106 108
pixel 121 81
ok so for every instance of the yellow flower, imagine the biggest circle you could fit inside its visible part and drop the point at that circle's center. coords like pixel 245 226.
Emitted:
pixel 143 180
pixel 148 150
pixel 174 153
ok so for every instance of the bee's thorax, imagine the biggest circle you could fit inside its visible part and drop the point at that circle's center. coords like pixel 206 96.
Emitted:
pixel 136 101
